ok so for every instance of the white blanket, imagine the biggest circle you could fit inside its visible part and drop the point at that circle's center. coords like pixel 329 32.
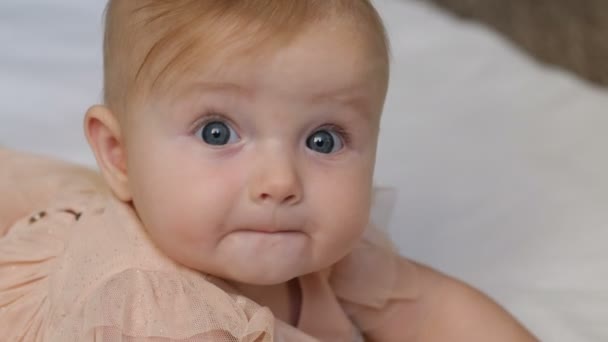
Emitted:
pixel 501 163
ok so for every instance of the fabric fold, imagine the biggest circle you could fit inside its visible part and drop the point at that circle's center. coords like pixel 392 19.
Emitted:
pixel 374 275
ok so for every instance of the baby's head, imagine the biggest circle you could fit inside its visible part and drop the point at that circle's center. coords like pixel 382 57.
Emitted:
pixel 243 132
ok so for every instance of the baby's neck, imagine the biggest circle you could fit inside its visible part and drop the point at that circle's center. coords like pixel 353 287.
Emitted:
pixel 284 300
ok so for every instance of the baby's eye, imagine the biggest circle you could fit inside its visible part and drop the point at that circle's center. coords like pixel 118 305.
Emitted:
pixel 325 141
pixel 217 133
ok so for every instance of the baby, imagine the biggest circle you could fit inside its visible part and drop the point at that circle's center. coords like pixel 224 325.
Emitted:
pixel 237 143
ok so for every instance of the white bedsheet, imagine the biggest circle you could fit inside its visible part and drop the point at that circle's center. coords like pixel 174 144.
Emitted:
pixel 500 162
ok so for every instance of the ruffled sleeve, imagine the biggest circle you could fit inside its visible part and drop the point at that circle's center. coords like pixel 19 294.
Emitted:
pixel 374 275
pixel 137 305
pixel 29 182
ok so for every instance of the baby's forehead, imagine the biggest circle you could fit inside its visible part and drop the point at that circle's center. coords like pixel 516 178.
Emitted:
pixel 151 44
pixel 315 65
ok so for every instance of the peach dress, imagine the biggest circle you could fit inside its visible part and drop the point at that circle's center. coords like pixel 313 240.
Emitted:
pixel 77 265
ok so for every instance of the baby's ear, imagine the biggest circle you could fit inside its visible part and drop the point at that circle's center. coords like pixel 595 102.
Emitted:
pixel 104 135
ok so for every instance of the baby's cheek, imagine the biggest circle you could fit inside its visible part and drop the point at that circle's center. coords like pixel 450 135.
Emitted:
pixel 351 198
pixel 346 215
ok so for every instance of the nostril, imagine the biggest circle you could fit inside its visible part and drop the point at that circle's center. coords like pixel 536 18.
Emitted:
pixel 287 199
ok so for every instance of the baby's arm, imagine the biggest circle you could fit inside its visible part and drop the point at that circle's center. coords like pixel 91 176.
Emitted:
pixel 447 310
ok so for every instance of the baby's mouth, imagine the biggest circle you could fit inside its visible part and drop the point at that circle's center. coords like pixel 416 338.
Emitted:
pixel 267 230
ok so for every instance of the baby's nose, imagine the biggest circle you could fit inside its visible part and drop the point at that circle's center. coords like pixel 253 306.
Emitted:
pixel 276 180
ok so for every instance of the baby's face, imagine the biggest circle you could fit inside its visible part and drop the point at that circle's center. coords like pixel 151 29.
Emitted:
pixel 261 170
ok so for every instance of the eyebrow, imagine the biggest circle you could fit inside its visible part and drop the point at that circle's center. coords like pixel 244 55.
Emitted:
pixel 351 96
pixel 186 93
pixel 227 87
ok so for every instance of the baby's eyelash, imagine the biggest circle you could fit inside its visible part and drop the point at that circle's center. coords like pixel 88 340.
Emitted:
pixel 209 116
pixel 343 133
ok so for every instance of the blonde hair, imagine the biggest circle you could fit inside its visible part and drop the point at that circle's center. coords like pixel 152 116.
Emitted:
pixel 149 41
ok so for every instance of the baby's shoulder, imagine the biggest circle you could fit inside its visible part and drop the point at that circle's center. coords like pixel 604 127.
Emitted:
pixel 106 240
pixel 30 182
pixel 37 264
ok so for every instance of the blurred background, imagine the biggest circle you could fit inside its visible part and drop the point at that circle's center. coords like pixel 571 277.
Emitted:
pixel 494 136
pixel 569 33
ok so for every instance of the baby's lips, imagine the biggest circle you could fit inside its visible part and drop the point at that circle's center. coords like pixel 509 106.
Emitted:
pixel 272 221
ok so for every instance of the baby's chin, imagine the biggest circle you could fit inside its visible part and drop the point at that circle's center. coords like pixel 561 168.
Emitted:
pixel 265 271
pixel 266 259
pixel 263 277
